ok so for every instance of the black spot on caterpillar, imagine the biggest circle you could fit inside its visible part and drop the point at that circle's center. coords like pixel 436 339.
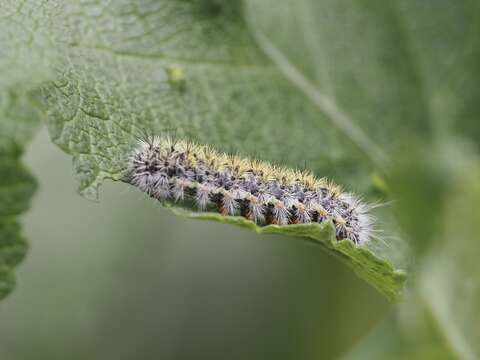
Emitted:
pixel 185 172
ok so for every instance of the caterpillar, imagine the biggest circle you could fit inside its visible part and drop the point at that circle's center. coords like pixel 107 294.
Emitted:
pixel 186 172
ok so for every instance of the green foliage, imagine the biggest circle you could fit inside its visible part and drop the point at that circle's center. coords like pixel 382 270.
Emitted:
pixel 24 64
pixel 441 315
pixel 360 92
pixel 192 69
pixel 378 272
pixel 230 95
pixel 17 186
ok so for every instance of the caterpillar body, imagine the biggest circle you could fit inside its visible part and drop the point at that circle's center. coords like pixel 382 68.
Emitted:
pixel 181 171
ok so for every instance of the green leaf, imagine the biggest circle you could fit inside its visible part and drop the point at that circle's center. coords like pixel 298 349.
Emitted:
pixel 386 73
pixel 187 68
pixel 17 186
pixel 23 66
pixel 368 266
pixel 397 338
pixel 381 71
pixel 192 69
pixel 351 60
pixel 450 274
pixel 441 315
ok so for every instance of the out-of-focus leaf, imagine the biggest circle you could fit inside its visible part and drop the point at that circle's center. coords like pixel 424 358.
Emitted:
pixel 23 66
pixel 441 317
pixel 351 60
pixel 421 179
pixel 393 340
pixel 17 186
pixel 449 283
pixel 382 71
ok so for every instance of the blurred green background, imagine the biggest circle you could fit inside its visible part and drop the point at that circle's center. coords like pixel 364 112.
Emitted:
pixel 133 281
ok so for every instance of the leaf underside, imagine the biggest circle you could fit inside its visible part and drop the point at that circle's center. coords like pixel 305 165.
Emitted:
pixel 378 272
pixel 193 70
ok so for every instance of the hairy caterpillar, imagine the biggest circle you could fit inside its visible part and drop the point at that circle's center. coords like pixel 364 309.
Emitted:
pixel 182 171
